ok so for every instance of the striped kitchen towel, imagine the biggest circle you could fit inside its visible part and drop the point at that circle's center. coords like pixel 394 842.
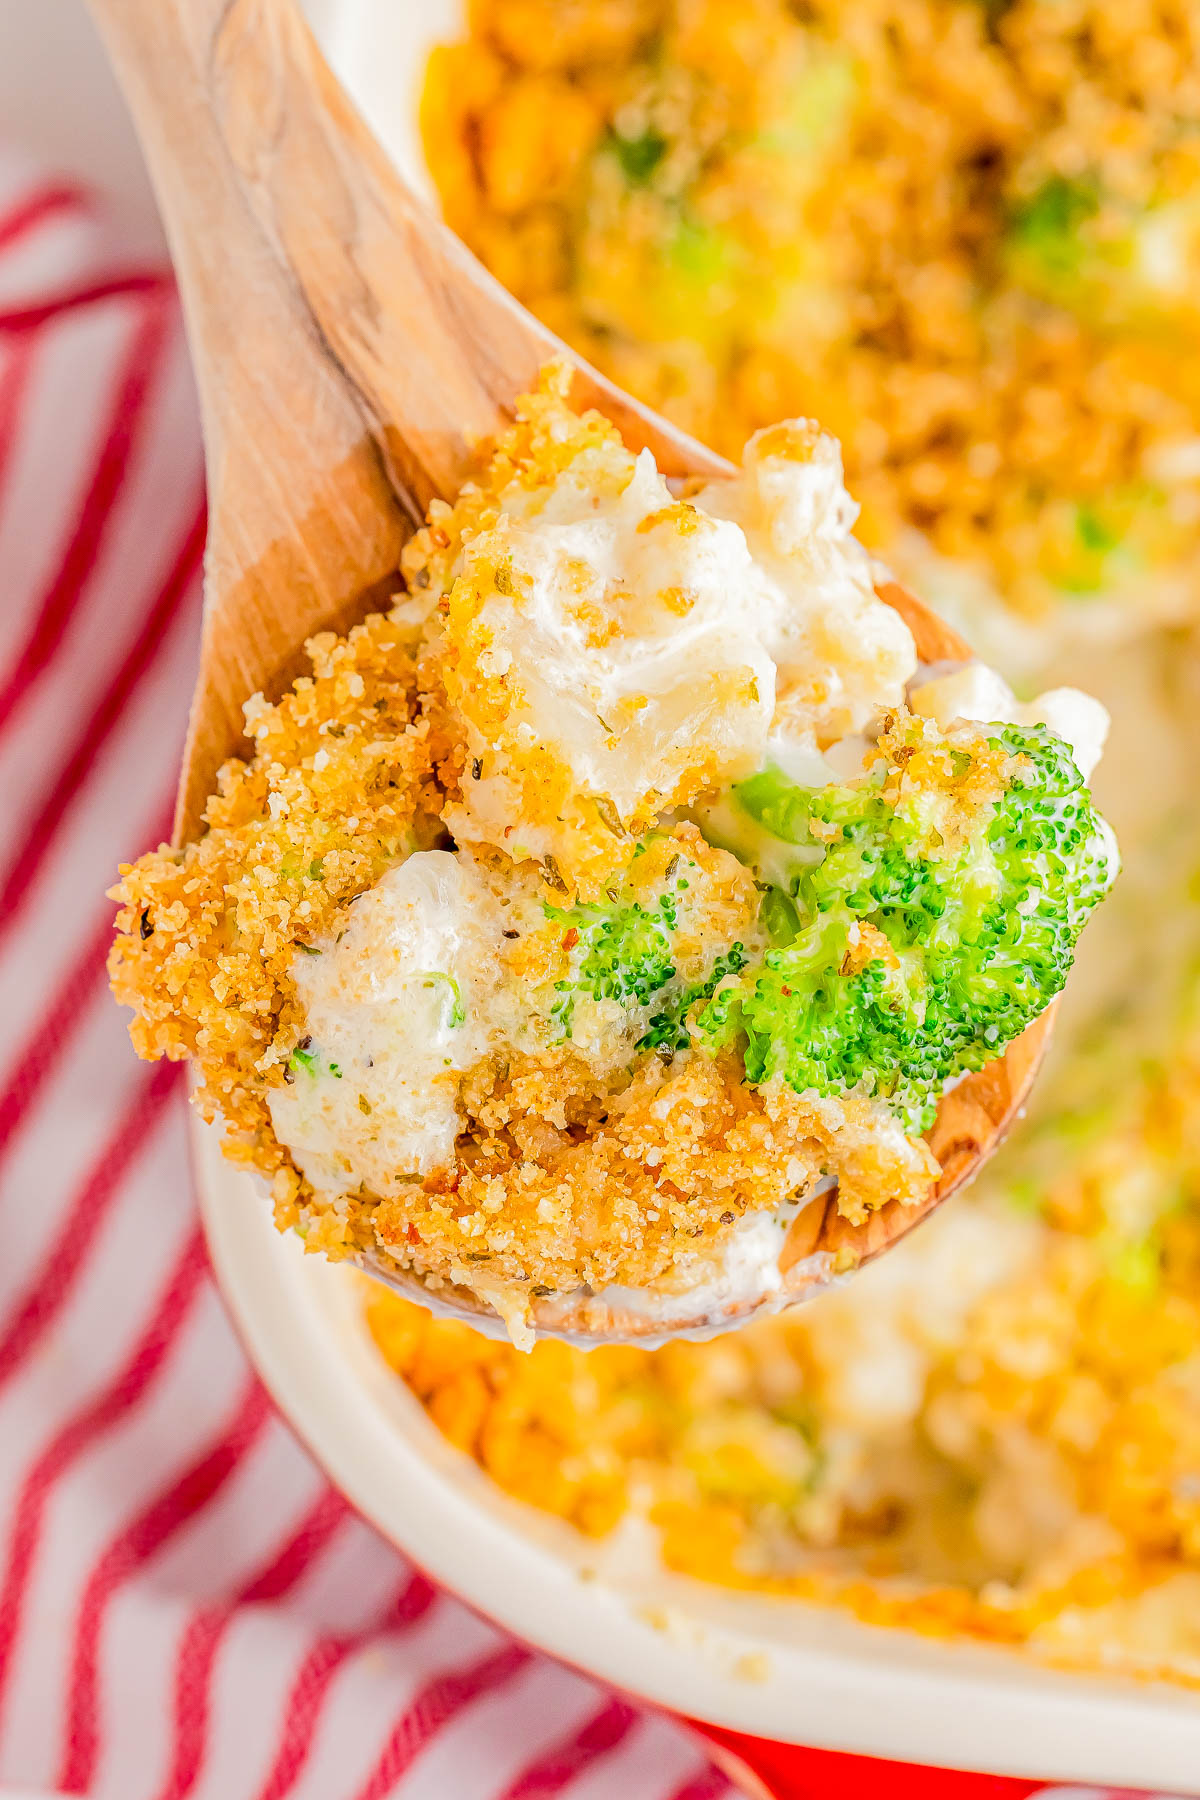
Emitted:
pixel 186 1606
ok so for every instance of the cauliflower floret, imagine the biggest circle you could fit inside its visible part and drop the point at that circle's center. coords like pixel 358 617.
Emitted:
pixel 977 692
pixel 612 651
pixel 392 1016
pixel 600 648
pixel 842 655
pixel 1079 719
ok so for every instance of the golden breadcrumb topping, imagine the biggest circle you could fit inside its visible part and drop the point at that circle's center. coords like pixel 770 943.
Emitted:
pixel 584 1140
pixel 629 1181
pixel 950 780
pixel 339 787
pixel 964 236
pixel 611 651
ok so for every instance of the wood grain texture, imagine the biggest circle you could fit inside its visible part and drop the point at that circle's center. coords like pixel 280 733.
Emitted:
pixel 349 351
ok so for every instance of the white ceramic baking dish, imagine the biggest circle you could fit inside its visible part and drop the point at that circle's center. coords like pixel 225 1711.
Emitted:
pixel 772 1668
pixel 776 1670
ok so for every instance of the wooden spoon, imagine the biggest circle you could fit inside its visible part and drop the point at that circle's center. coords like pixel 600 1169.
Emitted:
pixel 348 351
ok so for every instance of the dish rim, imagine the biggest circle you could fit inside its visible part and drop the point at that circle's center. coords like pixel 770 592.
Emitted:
pixel 952 1704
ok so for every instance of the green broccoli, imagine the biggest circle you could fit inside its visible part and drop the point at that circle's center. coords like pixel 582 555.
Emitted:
pixel 1047 244
pixel 901 959
pixel 638 156
pixel 305 1058
pixel 625 951
pixel 1114 260
pixel 624 954
pixel 438 979
pixel 668 1029
pixel 1089 545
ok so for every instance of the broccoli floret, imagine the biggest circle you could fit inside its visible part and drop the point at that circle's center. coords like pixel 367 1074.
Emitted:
pixel 638 156
pixel 668 1028
pixel 1116 260
pixel 1045 232
pixel 624 954
pixel 901 959
pixel 626 951
pixel 1089 545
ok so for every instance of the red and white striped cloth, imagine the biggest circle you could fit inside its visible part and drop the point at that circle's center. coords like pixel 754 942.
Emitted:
pixel 186 1606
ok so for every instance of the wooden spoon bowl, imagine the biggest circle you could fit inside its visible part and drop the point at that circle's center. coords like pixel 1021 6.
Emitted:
pixel 821 1246
pixel 349 351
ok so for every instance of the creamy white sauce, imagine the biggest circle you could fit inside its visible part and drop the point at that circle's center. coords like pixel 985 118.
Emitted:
pixel 628 648
pixel 974 691
pixel 841 654
pixel 638 638
pixel 396 1008
pixel 416 986
pixel 745 1267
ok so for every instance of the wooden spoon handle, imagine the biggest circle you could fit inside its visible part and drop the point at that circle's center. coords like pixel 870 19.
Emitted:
pixel 302 518
pixel 433 346
pixel 333 323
